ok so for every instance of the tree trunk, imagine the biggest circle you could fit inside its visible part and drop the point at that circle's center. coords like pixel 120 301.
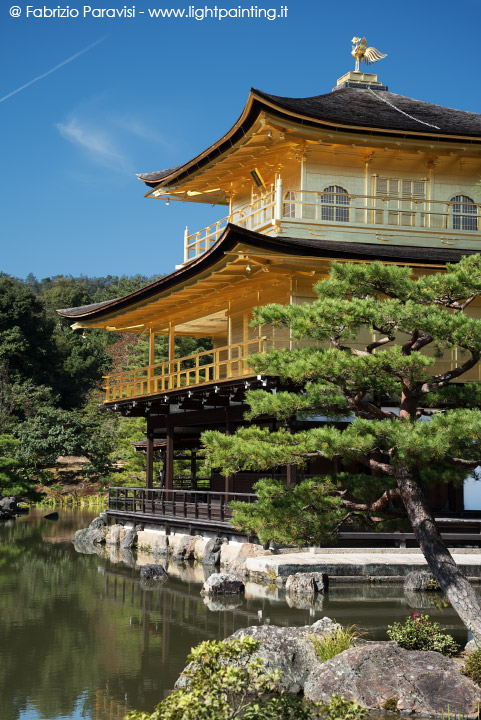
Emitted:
pixel 452 581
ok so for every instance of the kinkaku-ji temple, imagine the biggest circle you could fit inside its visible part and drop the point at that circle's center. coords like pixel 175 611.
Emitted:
pixel 355 174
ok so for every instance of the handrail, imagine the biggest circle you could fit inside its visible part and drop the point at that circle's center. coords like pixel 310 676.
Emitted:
pixel 326 207
pixel 221 363
pixel 196 506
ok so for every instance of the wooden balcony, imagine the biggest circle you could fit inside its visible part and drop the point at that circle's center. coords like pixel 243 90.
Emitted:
pixel 220 364
pixel 306 210
pixel 198 508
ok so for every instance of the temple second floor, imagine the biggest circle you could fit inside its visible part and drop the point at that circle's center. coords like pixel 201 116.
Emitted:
pixel 213 298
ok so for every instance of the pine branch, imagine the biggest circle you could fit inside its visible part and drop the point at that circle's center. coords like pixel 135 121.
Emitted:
pixel 439 381
pixel 462 463
pixel 385 340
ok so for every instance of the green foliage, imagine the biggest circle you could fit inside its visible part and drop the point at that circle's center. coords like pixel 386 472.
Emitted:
pixel 12 480
pixel 53 432
pixel 225 681
pixel 419 633
pixel 312 502
pixel 391 703
pixel 472 666
pixel 369 343
pixel 335 642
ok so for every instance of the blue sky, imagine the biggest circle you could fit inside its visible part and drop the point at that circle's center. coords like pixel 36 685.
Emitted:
pixel 153 93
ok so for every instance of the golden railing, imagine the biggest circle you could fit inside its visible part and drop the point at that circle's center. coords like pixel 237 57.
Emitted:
pixel 222 363
pixel 252 216
pixel 337 209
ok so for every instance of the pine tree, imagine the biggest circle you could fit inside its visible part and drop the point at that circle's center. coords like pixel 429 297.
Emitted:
pixel 411 420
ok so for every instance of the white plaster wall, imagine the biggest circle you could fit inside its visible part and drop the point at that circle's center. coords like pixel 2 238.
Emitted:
pixel 472 492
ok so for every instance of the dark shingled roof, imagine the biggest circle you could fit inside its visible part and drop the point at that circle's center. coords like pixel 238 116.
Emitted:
pixel 381 109
pixel 74 312
pixel 348 108
pixel 311 247
pixel 154 177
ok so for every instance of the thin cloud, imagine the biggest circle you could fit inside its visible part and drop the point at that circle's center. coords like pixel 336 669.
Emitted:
pixel 97 143
pixel 139 129
pixel 52 70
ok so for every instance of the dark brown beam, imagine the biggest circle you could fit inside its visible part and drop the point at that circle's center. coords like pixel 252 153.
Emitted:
pixel 169 457
pixel 149 473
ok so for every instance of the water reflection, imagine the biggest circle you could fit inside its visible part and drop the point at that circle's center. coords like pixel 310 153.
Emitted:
pixel 81 637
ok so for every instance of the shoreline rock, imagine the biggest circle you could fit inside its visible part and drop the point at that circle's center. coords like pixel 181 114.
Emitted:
pixel 222 584
pixel 381 675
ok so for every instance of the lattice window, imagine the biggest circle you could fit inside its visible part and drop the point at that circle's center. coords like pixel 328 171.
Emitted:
pixel 289 209
pixel 400 201
pixel 465 213
pixel 335 204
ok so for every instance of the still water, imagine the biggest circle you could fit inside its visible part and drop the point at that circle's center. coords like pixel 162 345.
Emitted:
pixel 81 638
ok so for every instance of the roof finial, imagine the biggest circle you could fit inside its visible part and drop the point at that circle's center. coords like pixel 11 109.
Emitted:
pixel 364 54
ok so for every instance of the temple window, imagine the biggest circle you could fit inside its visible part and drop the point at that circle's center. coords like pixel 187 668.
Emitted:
pixel 465 213
pixel 290 200
pixel 335 204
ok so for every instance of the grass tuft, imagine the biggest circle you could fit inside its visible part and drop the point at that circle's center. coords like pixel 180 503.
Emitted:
pixel 340 639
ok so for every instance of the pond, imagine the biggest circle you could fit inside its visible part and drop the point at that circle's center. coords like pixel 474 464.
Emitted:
pixel 81 638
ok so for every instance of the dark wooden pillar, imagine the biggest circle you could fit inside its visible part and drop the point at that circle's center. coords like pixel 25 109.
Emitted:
pixel 193 469
pixel 149 473
pixel 229 479
pixel 169 457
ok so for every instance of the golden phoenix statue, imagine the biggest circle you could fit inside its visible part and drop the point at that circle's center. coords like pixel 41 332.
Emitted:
pixel 364 54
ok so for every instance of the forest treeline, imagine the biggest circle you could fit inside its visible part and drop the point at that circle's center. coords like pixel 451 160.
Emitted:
pixel 51 379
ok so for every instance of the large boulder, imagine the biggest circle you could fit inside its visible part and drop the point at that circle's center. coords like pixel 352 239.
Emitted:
pixel 9 505
pixel 90 536
pixel 185 548
pixel 381 675
pixel 306 583
pixel 212 551
pixel 115 534
pixel 420 581
pixel 222 584
pixel 97 523
pixel 129 540
pixel 289 650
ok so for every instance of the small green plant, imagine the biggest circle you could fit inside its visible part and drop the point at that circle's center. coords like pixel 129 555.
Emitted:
pixel 340 709
pixel 419 633
pixel 391 704
pixel 472 666
pixel 225 681
pixel 340 639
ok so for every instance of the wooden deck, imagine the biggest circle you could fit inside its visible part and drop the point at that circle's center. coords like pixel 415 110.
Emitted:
pixel 193 508
pixel 205 510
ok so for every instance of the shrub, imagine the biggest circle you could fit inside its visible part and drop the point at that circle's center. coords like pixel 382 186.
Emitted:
pixel 225 682
pixel 340 639
pixel 472 666
pixel 419 633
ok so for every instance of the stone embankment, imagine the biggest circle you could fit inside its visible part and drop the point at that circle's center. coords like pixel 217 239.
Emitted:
pixel 251 561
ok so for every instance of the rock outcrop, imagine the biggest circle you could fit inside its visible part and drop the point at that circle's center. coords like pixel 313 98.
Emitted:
pixel 289 650
pixel 115 534
pixel 420 581
pixel 8 508
pixel 382 675
pixel 129 540
pixel 212 551
pixel 184 549
pixel 95 534
pixel 306 583
pixel 222 584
